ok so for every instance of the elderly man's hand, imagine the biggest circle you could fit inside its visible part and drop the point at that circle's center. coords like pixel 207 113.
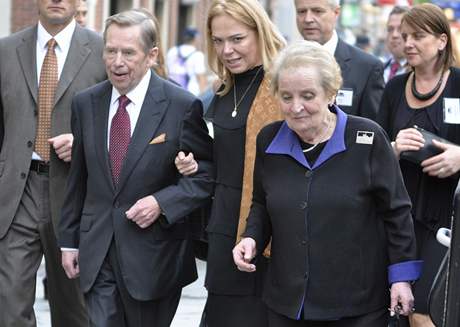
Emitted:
pixel 243 253
pixel 144 212
pixel 70 263
pixel 401 295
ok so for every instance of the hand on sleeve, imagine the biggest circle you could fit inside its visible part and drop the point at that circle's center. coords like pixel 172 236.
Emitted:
pixel 186 165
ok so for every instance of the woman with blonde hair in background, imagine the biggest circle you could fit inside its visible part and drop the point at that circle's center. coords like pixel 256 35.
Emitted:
pixel 241 44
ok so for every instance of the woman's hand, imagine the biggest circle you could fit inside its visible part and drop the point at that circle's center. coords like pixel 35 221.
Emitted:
pixel 401 297
pixel 243 253
pixel 444 164
pixel 186 165
pixel 408 139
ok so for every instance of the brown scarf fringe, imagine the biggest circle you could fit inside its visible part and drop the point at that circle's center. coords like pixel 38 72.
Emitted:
pixel 264 110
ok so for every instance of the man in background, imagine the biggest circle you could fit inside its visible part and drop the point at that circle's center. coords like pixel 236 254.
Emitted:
pixel 41 68
pixel 362 73
pixel 82 12
pixel 394 42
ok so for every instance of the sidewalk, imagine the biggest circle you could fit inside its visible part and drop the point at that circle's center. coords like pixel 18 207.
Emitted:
pixel 188 313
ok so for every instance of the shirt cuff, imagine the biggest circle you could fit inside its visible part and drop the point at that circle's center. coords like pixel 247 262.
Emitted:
pixel 69 249
pixel 406 271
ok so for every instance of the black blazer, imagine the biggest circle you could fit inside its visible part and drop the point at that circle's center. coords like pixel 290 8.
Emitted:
pixel 156 260
pixel 335 228
pixel 363 73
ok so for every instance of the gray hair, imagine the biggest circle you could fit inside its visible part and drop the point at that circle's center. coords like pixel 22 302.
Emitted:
pixel 149 33
pixel 333 3
pixel 306 54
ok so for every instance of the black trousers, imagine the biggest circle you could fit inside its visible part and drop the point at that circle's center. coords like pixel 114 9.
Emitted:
pixel 373 319
pixel 110 304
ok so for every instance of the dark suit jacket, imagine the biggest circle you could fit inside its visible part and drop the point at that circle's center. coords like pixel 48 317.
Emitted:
pixel 156 260
pixel 18 112
pixel 335 227
pixel 363 73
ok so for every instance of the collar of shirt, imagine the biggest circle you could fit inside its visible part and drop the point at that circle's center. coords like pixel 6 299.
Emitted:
pixel 136 96
pixel 63 39
pixel 386 71
pixel 287 142
pixel 331 45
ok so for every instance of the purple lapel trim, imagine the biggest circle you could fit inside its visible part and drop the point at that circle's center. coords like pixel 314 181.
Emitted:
pixel 286 142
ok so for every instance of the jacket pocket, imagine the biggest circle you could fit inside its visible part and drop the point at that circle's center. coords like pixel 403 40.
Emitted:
pixel 2 167
pixel 85 223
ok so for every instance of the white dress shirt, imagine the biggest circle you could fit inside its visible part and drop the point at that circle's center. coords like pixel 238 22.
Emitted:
pixel 136 96
pixel 63 39
pixel 331 45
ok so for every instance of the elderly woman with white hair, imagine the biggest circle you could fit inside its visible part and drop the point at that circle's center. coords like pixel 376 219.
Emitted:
pixel 329 194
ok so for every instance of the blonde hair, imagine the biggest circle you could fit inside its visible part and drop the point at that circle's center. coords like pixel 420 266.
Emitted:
pixel 306 54
pixel 253 15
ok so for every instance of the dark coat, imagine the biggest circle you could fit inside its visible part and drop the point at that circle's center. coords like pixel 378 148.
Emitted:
pixel 336 227
pixel 363 73
pixel 159 259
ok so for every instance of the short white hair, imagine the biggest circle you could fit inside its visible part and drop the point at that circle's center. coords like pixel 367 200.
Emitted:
pixel 305 54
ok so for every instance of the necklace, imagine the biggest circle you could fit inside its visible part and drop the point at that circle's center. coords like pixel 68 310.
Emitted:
pixel 235 108
pixel 310 148
pixel 330 122
pixel 425 96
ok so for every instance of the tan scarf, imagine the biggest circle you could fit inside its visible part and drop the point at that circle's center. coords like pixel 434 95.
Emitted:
pixel 264 110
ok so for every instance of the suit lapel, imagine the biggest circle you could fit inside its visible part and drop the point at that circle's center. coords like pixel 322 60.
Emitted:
pixel 342 55
pixel 27 54
pixel 101 105
pixel 152 112
pixel 78 52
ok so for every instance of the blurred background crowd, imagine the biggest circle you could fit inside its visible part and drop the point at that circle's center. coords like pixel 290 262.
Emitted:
pixel 361 23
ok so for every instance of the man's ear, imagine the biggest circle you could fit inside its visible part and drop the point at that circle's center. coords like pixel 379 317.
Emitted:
pixel 152 56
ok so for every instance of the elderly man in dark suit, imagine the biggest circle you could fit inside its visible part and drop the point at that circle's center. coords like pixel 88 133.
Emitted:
pixel 126 202
pixel 362 73
pixel 41 68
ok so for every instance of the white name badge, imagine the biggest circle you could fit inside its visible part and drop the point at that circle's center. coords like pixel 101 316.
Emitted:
pixel 451 110
pixel 364 137
pixel 344 97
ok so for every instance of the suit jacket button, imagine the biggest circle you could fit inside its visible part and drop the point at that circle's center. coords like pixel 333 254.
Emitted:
pixel 303 205
pixel 23 175
pixel 304 242
pixel 308 173
pixel 29 144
